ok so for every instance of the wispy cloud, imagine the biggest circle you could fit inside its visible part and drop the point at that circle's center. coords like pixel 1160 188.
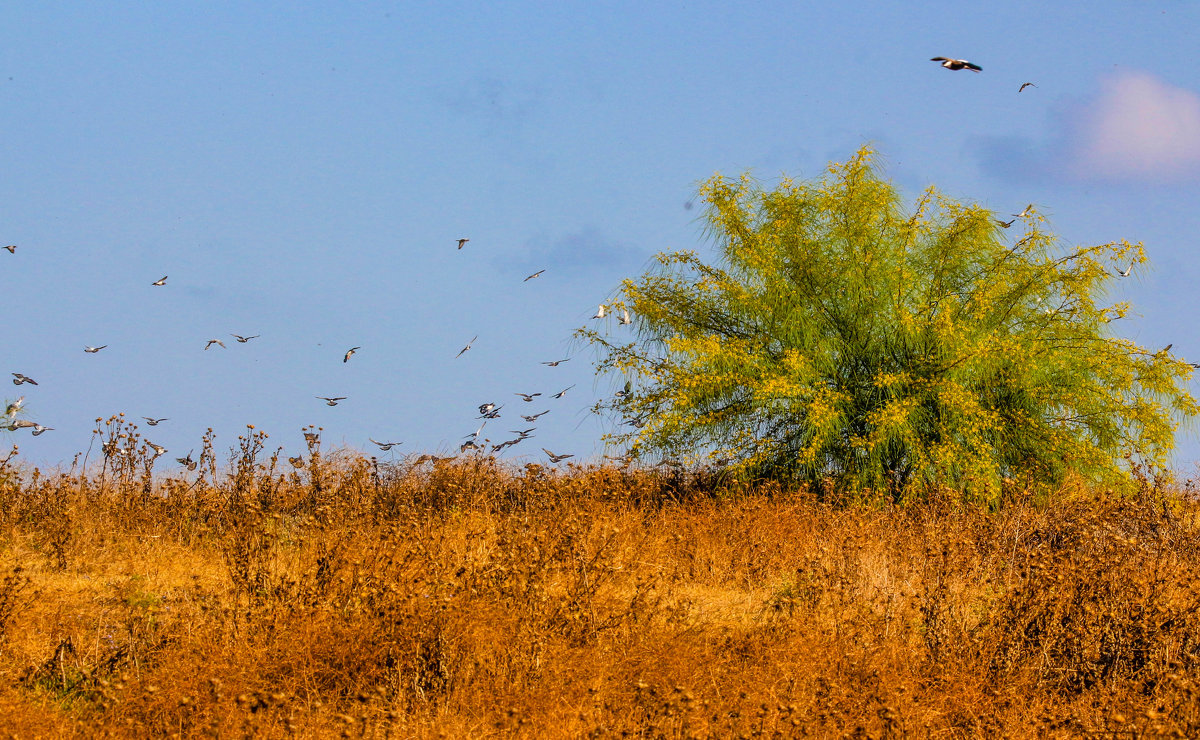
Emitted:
pixel 1137 128
pixel 584 251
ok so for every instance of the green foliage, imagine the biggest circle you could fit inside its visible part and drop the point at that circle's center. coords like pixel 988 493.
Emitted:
pixel 840 337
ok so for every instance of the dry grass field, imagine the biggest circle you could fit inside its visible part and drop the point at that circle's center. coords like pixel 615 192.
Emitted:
pixel 467 598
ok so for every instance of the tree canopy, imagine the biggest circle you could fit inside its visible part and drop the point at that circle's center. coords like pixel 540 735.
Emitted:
pixel 840 336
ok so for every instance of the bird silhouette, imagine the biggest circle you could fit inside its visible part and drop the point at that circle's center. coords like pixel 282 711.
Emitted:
pixel 161 281
pixel 563 392
pixel 527 397
pixel 349 353
pixel 1005 224
pixel 154 422
pixel 94 350
pixel 555 458
pixel 242 339
pixel 534 417
pixel 18 379
pixel 531 277
pixel 385 446
pixel 211 342
pixel 556 363
pixel 1025 85
pixel 957 64
pixel 461 242
pixel 464 349
pixel 12 248
pixel 331 401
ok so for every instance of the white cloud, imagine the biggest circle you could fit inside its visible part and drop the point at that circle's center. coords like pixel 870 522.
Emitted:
pixel 1139 127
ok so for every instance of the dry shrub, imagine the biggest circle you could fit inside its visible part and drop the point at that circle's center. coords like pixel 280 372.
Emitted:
pixel 468 597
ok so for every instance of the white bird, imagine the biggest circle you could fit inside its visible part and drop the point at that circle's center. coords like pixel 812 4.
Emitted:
pixel 14 406
pixel 331 401
pixel 624 320
pixel 154 422
pixel 158 449
pixel 211 342
pixel 957 64
pixel 350 352
pixel 555 458
pixel 1126 271
pixel 531 277
pixel 464 349
pixel 94 350
pixel 461 242
pixel 18 379
pixel 38 429
pixel 161 281
pixel 242 339
pixel 561 393
pixel 600 312
pixel 1025 212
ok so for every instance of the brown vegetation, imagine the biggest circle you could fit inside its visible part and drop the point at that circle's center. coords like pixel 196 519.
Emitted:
pixel 465 598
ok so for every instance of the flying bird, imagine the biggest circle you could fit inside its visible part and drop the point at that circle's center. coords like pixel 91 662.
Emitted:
pixel 94 350
pixel 211 342
pixel 563 392
pixel 555 458
pixel 461 242
pixel 486 407
pixel 600 312
pixel 531 277
pixel 556 363
pixel 349 353
pixel 158 449
pixel 18 379
pixel 1126 271
pixel 38 429
pixel 626 390
pixel 1025 212
pixel 154 422
pixel 527 397
pixel 331 401
pixel 242 339
pixel 1005 224
pixel 1025 85
pixel 624 320
pixel 385 446
pixel 957 64
pixel 297 462
pixel 12 248
pixel 14 406
pixel 21 424
pixel 161 281
pixel 464 349
pixel 187 462
pixel 534 417
pixel 311 438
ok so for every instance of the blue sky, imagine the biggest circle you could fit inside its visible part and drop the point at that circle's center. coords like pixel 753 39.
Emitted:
pixel 303 171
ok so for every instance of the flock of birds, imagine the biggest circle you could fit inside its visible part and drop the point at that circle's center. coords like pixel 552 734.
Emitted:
pixel 489 411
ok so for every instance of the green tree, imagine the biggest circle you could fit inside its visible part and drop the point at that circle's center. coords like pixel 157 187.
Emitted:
pixel 839 336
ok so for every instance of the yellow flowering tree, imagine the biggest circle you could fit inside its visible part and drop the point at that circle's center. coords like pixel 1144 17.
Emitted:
pixel 839 336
